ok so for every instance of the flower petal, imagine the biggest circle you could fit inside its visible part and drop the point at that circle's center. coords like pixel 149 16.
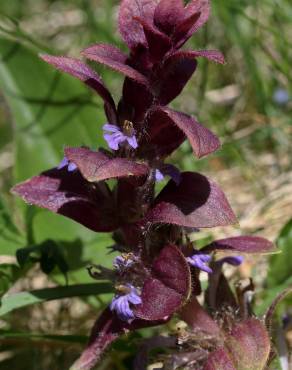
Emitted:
pixel 114 140
pixel 64 163
pixel 232 260
pixel 132 141
pixel 110 128
pixel 199 261
pixel 172 171
pixel 134 298
pixel 158 175
pixel 72 167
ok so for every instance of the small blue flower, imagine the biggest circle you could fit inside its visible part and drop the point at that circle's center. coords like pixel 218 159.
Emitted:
pixel 71 166
pixel 121 263
pixel 199 261
pixel 281 96
pixel 232 260
pixel 121 304
pixel 168 170
pixel 114 136
pixel 158 175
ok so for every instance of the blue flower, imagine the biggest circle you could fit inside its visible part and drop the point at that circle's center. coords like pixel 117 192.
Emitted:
pixel 158 175
pixel 231 260
pixel 281 96
pixel 121 303
pixel 114 136
pixel 64 162
pixel 168 170
pixel 121 262
pixel 199 261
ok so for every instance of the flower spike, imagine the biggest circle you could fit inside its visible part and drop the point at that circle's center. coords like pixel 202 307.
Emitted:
pixel 158 273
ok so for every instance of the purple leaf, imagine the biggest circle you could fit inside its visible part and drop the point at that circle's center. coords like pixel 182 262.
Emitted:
pixel 212 55
pixel 129 203
pixel 219 294
pixel 136 100
pixel 198 319
pixel 143 354
pixel 107 328
pixel 220 359
pixel 96 166
pixel 196 202
pixel 167 14
pixel 184 26
pixel 194 7
pixel 130 29
pixel 168 287
pixel 271 310
pixel 170 80
pixel 158 42
pixel 162 136
pixel 202 140
pixel 68 194
pixel 115 59
pixel 242 244
pixel 249 345
pixel 105 331
pixel 83 72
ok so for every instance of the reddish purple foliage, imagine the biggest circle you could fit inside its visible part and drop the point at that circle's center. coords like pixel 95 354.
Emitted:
pixel 168 287
pixel 157 273
pixel 96 166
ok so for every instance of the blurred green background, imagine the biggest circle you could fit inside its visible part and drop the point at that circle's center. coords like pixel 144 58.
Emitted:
pixel 247 102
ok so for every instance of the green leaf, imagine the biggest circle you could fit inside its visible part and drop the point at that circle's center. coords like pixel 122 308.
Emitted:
pixel 48 254
pixel 10 237
pixel 50 109
pixel 8 334
pixel 9 273
pixel 14 301
pixel 280 265
pixel 270 294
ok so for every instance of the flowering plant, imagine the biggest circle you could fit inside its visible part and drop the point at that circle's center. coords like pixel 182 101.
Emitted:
pixel 157 272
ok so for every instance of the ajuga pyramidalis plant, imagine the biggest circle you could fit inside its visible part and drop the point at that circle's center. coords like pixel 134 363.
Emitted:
pixel 157 272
